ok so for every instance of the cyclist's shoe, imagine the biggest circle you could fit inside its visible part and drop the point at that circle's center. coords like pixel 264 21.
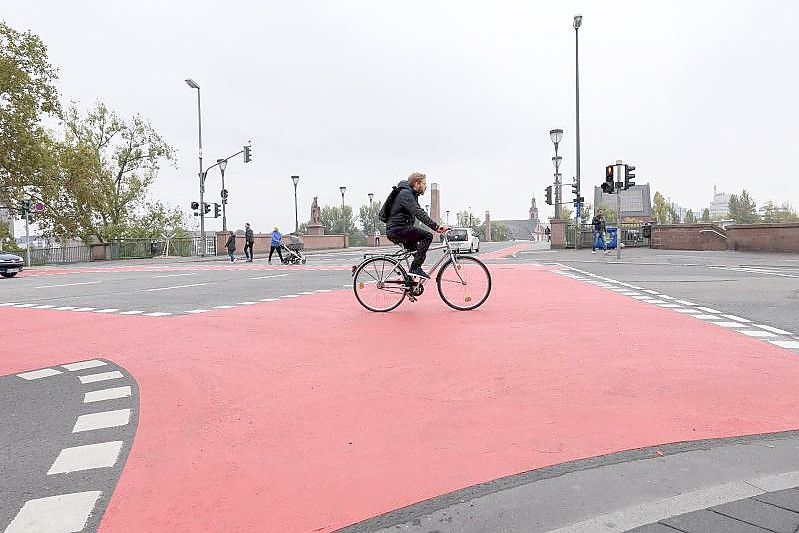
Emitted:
pixel 419 273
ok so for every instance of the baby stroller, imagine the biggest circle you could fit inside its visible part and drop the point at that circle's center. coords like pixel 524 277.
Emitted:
pixel 292 247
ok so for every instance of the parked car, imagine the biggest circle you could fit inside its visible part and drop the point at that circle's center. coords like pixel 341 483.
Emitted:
pixel 464 240
pixel 10 265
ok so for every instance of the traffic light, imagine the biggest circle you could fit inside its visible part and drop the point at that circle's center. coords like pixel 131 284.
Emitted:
pixel 26 205
pixel 207 208
pixel 608 186
pixel 247 156
pixel 195 206
pixel 224 196
pixel 548 191
pixel 629 176
pixel 217 208
pixel 576 191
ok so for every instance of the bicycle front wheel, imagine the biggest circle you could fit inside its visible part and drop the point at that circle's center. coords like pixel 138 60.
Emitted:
pixel 379 284
pixel 464 284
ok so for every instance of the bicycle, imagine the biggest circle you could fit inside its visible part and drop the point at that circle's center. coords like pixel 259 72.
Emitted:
pixel 381 282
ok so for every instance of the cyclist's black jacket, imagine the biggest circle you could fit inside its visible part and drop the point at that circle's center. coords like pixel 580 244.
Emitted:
pixel 406 209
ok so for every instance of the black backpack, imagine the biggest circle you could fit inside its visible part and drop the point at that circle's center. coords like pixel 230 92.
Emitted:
pixel 385 211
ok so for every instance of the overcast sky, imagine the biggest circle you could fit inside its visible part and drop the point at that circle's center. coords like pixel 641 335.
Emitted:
pixel 362 92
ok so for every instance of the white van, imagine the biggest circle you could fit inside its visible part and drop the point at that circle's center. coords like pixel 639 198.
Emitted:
pixel 464 240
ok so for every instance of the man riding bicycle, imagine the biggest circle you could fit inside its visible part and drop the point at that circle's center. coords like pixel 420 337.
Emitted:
pixel 404 212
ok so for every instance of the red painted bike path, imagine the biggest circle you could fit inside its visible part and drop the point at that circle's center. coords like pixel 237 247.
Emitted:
pixel 244 427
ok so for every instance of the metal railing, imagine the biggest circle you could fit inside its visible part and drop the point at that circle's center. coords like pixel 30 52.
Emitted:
pixel 632 235
pixel 58 256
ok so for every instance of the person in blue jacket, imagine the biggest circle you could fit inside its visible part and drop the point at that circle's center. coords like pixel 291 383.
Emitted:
pixel 276 239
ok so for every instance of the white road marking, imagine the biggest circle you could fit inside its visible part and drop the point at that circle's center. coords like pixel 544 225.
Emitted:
pixel 156 314
pixel 65 513
pixel 707 317
pixel 655 302
pixel 294 295
pixel 756 333
pixel 6 304
pixel 102 420
pixel 106 310
pixel 269 277
pixel 24 305
pixel 68 284
pixel 650 291
pixel 44 307
pixel 737 318
pixel 224 306
pixel 103 376
pixel 269 299
pixel 669 306
pixel 708 310
pixel 197 311
pixel 83 365
pixel 83 309
pixel 306 293
pixel 175 275
pixel 38 374
pixel 642 297
pixel 88 457
pixel 667 297
pixel 786 344
pixel 684 302
pixel 247 303
pixel 772 329
pixel 630 293
pixel 106 394
pixel 131 312
pixel 731 324
pixel 175 287
pixel 325 290
pixel 65 308
pixel 689 311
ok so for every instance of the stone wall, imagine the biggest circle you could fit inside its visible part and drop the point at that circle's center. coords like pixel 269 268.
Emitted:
pixel 764 237
pixel 689 237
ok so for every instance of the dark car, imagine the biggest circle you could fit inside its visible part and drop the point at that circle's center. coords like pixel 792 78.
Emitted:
pixel 10 265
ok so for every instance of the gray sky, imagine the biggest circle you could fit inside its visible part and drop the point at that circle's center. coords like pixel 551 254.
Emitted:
pixel 360 93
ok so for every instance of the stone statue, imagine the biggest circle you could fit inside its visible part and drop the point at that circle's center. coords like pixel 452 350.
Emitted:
pixel 316 213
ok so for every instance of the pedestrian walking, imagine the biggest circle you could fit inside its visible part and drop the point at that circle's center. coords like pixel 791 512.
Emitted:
pixel 231 246
pixel 249 240
pixel 276 240
pixel 377 237
pixel 548 233
pixel 598 232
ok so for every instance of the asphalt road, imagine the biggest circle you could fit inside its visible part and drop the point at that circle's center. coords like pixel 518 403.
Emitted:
pixel 165 288
pixel 763 288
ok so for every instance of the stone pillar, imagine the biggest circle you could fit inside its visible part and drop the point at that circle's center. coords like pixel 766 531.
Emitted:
pixel 558 232
pixel 488 227
pixel 435 203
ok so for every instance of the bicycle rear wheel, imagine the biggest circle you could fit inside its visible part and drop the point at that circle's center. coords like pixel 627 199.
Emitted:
pixel 464 284
pixel 380 284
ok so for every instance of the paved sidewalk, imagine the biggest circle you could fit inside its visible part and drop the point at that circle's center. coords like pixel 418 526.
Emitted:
pixel 746 484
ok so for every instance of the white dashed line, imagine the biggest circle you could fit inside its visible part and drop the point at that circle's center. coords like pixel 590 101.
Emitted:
pixel 106 394
pixel 83 309
pixel 224 306
pixel 156 314
pixel 68 285
pixel 773 330
pixel 175 275
pixel 689 311
pixel 106 310
pixel 650 291
pixel 65 308
pixel 24 305
pixel 105 419
pixel 293 295
pixel 6 304
pixel 88 457
pixel 270 277
pixel 684 302
pixel 197 311
pixel 44 307
pixel 786 344
pixel 247 303
pixel 55 514
pixel 669 306
pixel 83 365
pixel 103 376
pixel 756 333
pixel 175 287
pixel 38 374
pixel 706 317
pixel 304 293
pixel 731 324
pixel 269 299
pixel 708 310
pixel 131 312
pixel 737 318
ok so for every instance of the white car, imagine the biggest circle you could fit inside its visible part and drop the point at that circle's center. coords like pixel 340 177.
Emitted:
pixel 464 240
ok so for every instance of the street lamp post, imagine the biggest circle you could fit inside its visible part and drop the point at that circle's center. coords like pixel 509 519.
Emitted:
pixel 222 164
pixel 447 217
pixel 578 21
pixel 556 136
pixel 343 189
pixel 191 83
pixel 296 180
pixel 371 196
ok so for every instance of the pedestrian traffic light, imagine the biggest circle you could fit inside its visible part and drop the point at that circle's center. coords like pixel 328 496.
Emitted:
pixel 575 191
pixel 608 186
pixel 629 176
pixel 247 156
pixel 26 205
pixel 207 208
pixel 216 210
pixel 195 206
pixel 548 191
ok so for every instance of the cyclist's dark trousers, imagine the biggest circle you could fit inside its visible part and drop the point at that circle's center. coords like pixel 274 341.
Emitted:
pixel 248 250
pixel 279 253
pixel 413 238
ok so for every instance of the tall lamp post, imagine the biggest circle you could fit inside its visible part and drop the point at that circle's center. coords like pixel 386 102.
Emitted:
pixel 222 164
pixel 193 84
pixel 447 217
pixel 296 180
pixel 343 189
pixel 578 21
pixel 556 136
pixel 371 196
